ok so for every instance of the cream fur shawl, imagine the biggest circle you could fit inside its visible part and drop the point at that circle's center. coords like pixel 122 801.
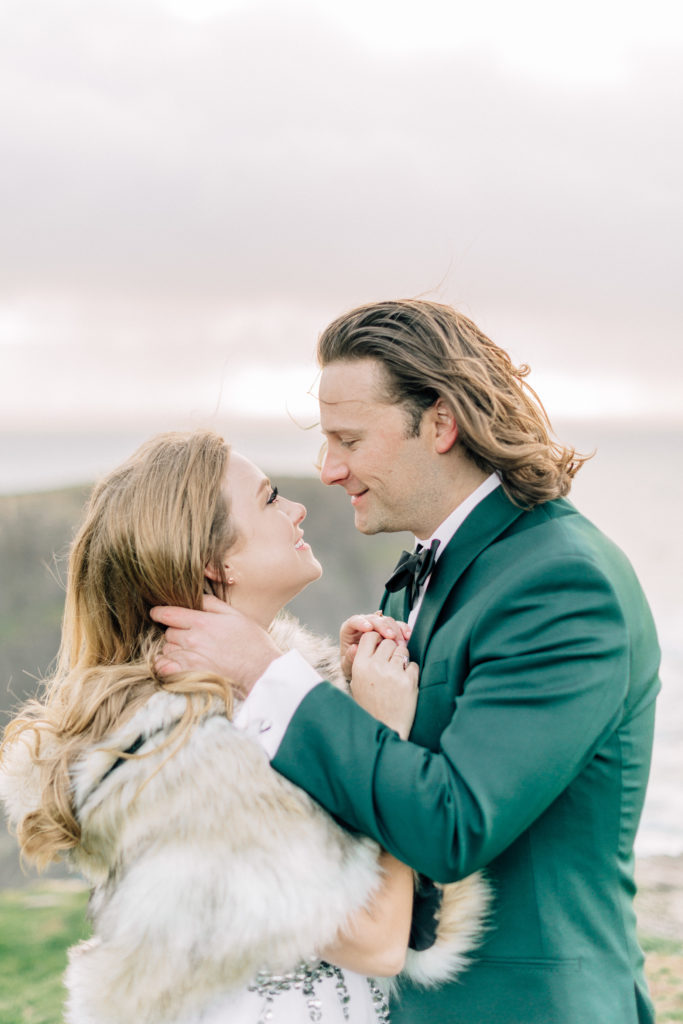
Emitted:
pixel 208 866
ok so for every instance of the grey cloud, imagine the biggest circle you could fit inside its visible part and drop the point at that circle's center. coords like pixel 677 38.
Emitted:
pixel 269 158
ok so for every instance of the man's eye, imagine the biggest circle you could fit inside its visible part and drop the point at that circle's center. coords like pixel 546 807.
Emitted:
pixel 348 444
pixel 273 496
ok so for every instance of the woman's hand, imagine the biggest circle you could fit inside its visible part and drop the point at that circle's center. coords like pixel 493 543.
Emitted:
pixel 358 625
pixel 384 682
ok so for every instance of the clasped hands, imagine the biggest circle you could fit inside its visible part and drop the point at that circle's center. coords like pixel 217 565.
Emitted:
pixel 375 658
pixel 220 639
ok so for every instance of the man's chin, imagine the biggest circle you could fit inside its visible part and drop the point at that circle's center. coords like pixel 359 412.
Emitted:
pixel 365 525
pixel 368 526
pixel 368 523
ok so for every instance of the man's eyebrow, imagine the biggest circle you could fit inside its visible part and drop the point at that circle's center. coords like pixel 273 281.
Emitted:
pixel 338 431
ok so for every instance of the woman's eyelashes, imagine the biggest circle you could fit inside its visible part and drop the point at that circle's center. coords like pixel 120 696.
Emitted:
pixel 273 496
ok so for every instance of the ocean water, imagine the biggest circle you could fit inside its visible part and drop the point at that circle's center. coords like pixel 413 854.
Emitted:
pixel 632 489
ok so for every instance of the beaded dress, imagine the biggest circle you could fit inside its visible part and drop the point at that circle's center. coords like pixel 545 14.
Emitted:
pixel 316 993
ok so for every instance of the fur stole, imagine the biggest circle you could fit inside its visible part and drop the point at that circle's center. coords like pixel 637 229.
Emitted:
pixel 208 866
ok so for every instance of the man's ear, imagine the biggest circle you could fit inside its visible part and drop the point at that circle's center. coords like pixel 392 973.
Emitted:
pixel 445 426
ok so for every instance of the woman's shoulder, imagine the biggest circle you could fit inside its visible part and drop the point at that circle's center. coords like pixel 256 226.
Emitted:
pixel 154 720
pixel 211 790
pixel 190 765
pixel 132 751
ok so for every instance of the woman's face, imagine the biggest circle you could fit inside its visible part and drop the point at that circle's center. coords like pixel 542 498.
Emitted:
pixel 270 563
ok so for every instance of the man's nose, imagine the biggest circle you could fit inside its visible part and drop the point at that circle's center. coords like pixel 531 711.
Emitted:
pixel 333 470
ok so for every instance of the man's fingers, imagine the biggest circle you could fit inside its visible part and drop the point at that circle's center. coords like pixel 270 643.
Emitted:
pixel 214 604
pixel 181 639
pixel 171 649
pixel 188 618
pixel 361 623
pixel 179 618
pixel 373 621
pixel 166 666
pixel 384 625
pixel 390 628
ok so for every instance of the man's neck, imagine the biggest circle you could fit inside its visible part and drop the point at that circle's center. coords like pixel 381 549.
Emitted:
pixel 456 516
pixel 465 481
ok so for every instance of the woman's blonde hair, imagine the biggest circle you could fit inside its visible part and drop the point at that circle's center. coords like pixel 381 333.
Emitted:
pixel 150 528
pixel 428 350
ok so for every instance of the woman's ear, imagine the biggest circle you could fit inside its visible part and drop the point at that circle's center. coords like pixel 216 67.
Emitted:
pixel 445 426
pixel 213 573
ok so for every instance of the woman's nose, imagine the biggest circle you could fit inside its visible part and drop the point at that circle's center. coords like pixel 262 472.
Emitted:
pixel 296 511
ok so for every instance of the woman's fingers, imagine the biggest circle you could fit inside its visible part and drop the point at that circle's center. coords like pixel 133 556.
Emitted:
pixel 372 645
pixel 369 642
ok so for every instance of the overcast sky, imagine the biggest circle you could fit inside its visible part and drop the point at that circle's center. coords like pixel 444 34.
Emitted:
pixel 191 189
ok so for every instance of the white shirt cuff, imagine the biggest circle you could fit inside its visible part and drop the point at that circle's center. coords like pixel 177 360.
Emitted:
pixel 269 708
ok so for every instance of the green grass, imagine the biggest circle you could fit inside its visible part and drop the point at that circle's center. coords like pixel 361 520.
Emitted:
pixel 39 923
pixel 664 969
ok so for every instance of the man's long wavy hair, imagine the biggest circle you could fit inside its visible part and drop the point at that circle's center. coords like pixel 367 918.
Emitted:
pixel 150 529
pixel 428 350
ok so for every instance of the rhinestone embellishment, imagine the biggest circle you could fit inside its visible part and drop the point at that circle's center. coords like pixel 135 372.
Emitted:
pixel 304 978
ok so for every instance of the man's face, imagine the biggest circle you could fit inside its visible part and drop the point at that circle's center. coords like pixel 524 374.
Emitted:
pixel 388 475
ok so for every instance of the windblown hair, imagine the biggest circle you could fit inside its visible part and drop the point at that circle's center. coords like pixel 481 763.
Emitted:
pixel 428 351
pixel 150 529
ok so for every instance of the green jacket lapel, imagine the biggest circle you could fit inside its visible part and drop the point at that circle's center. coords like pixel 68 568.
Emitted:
pixel 395 604
pixel 486 522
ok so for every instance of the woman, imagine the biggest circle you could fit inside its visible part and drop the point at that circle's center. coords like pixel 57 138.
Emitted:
pixel 220 891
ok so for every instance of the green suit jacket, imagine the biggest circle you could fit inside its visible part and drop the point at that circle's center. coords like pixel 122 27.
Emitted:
pixel 528 757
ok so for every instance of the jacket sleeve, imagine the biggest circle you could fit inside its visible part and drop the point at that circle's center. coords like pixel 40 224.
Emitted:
pixel 548 671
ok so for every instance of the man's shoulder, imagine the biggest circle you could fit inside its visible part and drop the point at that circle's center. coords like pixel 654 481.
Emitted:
pixel 555 523
pixel 554 540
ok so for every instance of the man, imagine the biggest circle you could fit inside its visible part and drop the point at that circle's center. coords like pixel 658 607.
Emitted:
pixel 538 658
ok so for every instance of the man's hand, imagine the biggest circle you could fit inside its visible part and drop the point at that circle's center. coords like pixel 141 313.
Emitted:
pixel 385 682
pixel 218 639
pixel 358 625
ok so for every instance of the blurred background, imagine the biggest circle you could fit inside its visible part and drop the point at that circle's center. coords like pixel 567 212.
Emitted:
pixel 192 189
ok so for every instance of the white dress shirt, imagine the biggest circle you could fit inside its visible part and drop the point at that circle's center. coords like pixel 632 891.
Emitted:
pixel 445 532
pixel 276 695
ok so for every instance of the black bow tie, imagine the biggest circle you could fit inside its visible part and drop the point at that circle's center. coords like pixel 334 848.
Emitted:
pixel 412 570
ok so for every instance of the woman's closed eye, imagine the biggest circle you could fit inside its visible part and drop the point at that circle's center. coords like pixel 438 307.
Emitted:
pixel 272 496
